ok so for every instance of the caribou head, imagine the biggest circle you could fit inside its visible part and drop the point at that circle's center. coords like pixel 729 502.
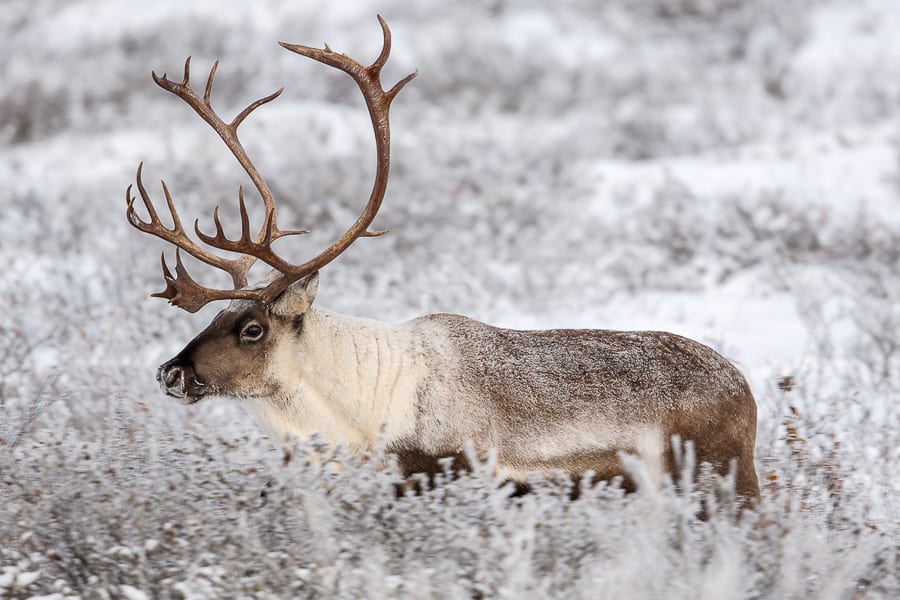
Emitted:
pixel 229 357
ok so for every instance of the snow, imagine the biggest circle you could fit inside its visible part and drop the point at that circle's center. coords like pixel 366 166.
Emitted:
pixel 132 593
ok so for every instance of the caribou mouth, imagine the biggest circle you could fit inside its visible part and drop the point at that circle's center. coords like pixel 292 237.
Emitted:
pixel 183 396
pixel 188 400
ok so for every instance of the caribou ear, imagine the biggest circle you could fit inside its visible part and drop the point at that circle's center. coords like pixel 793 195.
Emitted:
pixel 297 299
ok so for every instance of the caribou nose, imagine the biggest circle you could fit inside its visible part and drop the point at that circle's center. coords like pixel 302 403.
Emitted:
pixel 172 378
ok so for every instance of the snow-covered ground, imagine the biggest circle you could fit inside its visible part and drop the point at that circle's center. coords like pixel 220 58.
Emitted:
pixel 723 169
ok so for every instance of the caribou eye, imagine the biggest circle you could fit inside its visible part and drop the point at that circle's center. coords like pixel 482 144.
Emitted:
pixel 252 332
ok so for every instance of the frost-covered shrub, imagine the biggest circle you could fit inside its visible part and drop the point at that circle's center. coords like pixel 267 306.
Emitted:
pixel 179 513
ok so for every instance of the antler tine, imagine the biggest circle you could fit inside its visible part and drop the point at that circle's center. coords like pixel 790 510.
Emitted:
pixel 175 220
pixel 186 78
pixel 209 83
pixel 132 216
pixel 253 106
pixel 375 67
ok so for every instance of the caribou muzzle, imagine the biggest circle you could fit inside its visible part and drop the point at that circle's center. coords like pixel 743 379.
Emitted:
pixel 178 379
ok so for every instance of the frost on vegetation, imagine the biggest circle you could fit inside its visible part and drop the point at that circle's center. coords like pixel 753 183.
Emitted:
pixel 198 517
pixel 553 161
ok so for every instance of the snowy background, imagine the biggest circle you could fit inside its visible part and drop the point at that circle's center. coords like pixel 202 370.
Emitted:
pixel 728 170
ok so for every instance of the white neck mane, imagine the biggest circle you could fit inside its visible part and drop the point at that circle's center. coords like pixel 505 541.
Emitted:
pixel 347 379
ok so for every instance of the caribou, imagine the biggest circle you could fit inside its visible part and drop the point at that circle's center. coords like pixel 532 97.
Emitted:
pixel 562 400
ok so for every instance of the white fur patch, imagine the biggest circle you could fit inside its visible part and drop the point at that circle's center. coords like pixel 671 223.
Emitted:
pixel 348 379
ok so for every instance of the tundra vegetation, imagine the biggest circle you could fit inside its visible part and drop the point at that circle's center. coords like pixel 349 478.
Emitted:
pixel 725 170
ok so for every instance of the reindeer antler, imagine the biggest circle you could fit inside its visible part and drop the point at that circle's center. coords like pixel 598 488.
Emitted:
pixel 181 290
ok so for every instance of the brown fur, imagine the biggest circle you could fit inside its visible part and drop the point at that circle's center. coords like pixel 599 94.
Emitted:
pixel 537 384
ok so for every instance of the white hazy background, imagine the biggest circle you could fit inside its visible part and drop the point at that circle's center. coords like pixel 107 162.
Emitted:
pixel 722 169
